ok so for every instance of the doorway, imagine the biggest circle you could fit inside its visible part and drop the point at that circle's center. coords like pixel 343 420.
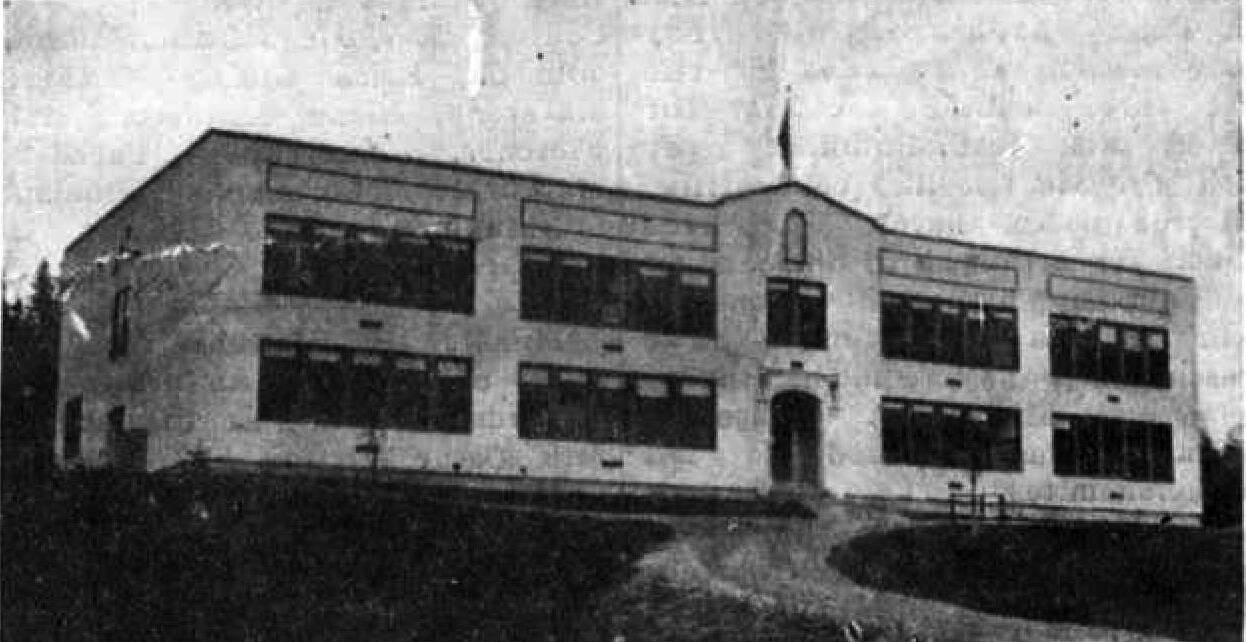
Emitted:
pixel 794 452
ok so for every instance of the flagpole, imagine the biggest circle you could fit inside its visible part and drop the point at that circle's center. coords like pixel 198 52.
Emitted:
pixel 785 137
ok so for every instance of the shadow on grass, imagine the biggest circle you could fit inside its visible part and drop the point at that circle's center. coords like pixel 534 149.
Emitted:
pixel 136 559
pixel 1174 582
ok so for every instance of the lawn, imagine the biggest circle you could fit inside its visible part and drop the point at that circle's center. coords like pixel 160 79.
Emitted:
pixel 1175 582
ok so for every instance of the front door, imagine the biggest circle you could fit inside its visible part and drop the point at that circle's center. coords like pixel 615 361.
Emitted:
pixel 794 439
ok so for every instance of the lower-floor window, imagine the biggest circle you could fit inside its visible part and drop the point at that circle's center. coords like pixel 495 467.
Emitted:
pixel 602 406
pixel 1112 448
pixel 935 433
pixel 324 384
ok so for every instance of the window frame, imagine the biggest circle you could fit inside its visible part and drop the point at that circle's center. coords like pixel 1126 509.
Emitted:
pixel 301 406
pixel 395 272
pixel 574 292
pixel 785 301
pixel 955 443
pixel 1075 348
pixel 1086 456
pixel 795 255
pixel 664 423
pixel 971 341
pixel 119 337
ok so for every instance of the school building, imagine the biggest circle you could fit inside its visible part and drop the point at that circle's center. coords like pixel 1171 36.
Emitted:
pixel 266 303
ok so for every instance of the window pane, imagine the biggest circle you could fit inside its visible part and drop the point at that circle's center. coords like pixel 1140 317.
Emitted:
pixel 794 237
pixel 654 305
pixel 654 411
pixel 534 400
pixel 453 412
pixel 278 385
pixel 368 389
pixel 1062 337
pixel 976 349
pixel 780 314
pixel 1002 331
pixel 1063 446
pixel 412 258
pixel 951 448
pixel 1161 452
pixel 1113 448
pixel 408 395
pixel 894 426
pixel 921 436
pixel 812 302
pixel 575 284
pixel 1109 353
pixel 923 318
pixel 1157 358
pixel 610 400
pixel 325 379
pixel 696 293
pixel 951 334
pixel 453 275
pixel 1085 349
pixel 326 258
pixel 569 406
pixel 610 306
pixel 1088 446
pixel 1136 450
pixel 696 401
pixel 538 287
pixel 894 324
pixel 1133 359
pixel 286 258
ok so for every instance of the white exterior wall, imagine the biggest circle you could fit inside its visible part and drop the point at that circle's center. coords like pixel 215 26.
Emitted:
pixel 191 376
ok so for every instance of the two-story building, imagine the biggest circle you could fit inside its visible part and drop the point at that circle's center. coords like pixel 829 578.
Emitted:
pixel 266 302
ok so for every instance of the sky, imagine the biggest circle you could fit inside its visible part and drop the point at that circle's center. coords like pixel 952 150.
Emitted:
pixel 1106 130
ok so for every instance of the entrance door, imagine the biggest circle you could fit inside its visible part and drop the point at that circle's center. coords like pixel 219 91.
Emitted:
pixel 794 438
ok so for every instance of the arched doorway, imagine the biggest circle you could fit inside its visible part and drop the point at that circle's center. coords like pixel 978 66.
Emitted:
pixel 794 439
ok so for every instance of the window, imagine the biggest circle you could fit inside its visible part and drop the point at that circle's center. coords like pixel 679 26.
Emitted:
pixel 311 258
pixel 334 385
pixel 795 313
pixel 795 237
pixel 119 345
pixel 610 292
pixel 1083 348
pixel 952 332
pixel 930 433
pixel 1111 448
pixel 72 439
pixel 601 406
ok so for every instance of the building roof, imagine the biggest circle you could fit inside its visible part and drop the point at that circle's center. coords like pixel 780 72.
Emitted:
pixel 607 190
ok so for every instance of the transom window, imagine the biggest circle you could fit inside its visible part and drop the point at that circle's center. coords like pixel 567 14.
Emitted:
pixel 604 291
pixel 795 313
pixel 945 331
pixel 306 257
pixel 334 385
pixel 1084 348
pixel 935 433
pixel 603 406
pixel 1112 448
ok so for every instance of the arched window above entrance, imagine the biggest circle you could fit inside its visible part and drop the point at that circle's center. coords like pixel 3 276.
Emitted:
pixel 795 237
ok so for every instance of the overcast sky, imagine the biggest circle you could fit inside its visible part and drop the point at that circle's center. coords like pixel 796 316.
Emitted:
pixel 1101 129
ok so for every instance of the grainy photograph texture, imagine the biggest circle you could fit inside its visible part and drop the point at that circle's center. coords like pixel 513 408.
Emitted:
pixel 623 320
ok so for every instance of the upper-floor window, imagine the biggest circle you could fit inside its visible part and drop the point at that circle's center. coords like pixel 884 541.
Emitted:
pixel 339 261
pixel 603 406
pixel 604 291
pixel 931 433
pixel 944 331
pixel 326 384
pixel 1113 448
pixel 1085 348
pixel 795 237
pixel 119 344
pixel 795 313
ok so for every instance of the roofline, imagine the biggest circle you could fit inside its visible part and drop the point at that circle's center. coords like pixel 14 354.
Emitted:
pixel 606 190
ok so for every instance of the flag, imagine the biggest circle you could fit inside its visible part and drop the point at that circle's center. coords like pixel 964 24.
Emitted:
pixel 785 138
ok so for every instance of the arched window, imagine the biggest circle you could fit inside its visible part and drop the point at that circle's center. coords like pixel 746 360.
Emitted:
pixel 120 324
pixel 794 237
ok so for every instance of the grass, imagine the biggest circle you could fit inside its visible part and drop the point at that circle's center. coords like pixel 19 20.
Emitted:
pixel 115 560
pixel 1175 582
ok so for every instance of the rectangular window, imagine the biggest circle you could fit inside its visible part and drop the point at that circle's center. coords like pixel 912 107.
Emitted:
pixel 611 292
pixel 119 344
pixel 938 434
pixel 1099 350
pixel 600 406
pixel 72 439
pixel 333 385
pixel 313 258
pixel 1111 448
pixel 795 313
pixel 957 333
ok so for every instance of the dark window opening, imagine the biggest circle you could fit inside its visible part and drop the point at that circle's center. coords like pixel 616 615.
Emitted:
pixel 1097 350
pixel 333 385
pixel 304 257
pixel 72 439
pixel 119 345
pixel 1111 448
pixel 795 313
pixel 952 332
pixel 937 434
pixel 602 291
pixel 602 406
